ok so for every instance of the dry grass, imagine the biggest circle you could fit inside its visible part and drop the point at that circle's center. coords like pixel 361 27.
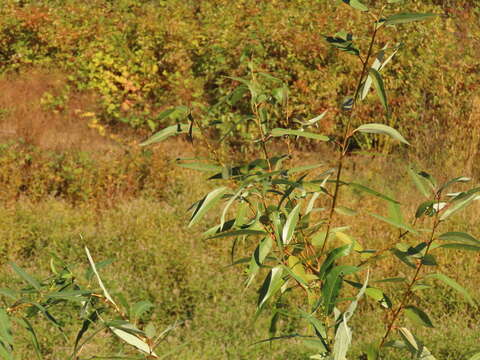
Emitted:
pixel 56 127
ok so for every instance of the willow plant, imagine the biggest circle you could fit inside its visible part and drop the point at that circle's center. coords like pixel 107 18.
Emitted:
pixel 276 206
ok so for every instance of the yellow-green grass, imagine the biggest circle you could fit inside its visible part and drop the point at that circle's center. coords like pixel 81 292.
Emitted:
pixel 188 279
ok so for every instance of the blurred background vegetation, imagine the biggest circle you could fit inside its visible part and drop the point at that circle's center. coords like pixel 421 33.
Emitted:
pixel 83 82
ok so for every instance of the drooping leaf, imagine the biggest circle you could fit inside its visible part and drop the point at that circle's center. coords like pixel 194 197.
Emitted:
pixel 25 276
pixel 375 128
pixel 343 335
pixel 459 236
pixel 395 223
pixel 406 18
pixel 416 348
pixel 418 316
pixel 454 285
pixel 333 283
pixel 452 209
pixel 33 335
pixel 206 203
pixel 272 283
pixel 100 282
pixel 166 133
pixel 281 132
pixel 382 94
pixel 290 224
pixel 371 192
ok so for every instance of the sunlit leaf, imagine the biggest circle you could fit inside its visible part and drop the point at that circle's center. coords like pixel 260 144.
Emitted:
pixel 25 276
pixel 356 4
pixel 290 224
pixel 382 95
pixel 406 18
pixel 206 203
pixel 382 129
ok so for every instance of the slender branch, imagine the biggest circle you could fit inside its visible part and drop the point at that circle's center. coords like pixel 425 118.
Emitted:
pixel 409 291
pixel 347 136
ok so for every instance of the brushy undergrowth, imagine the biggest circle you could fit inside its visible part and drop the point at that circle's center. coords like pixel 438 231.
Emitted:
pixel 141 56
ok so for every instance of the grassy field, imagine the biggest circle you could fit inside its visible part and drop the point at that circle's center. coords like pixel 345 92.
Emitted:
pixel 190 280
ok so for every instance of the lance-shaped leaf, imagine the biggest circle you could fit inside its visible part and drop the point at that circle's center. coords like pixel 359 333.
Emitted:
pixel 333 283
pixel 290 224
pixel 406 18
pixel 380 88
pixel 133 340
pixel 273 282
pixel 356 4
pixel 418 316
pixel 25 276
pixel 459 236
pixel 281 132
pixel 343 41
pixel 416 348
pixel 166 133
pixel 454 285
pixel 452 209
pixel 395 223
pixel 371 192
pixel 343 335
pixel 206 203
pixel 258 257
pixel 375 128
pixel 100 282
pixel 377 63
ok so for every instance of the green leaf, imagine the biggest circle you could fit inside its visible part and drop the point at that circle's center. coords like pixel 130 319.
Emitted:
pixel 5 328
pixel 382 129
pixel 459 236
pixel 166 133
pixel 419 182
pixel 258 257
pixel 372 192
pixel 395 223
pixel 452 209
pixel 475 356
pixel 418 316
pixel 454 285
pixel 139 308
pixel 200 166
pixel 343 41
pixel 272 283
pixel 290 224
pixel 206 203
pixel 356 4
pixel 28 326
pixel 345 211
pixel 333 255
pixel 281 132
pixel 461 247
pixel 382 94
pixel 242 232
pixel 12 294
pixel 25 276
pixel 333 283
pixel 406 18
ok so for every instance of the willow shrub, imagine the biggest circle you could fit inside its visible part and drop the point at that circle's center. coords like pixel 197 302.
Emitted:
pixel 278 207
